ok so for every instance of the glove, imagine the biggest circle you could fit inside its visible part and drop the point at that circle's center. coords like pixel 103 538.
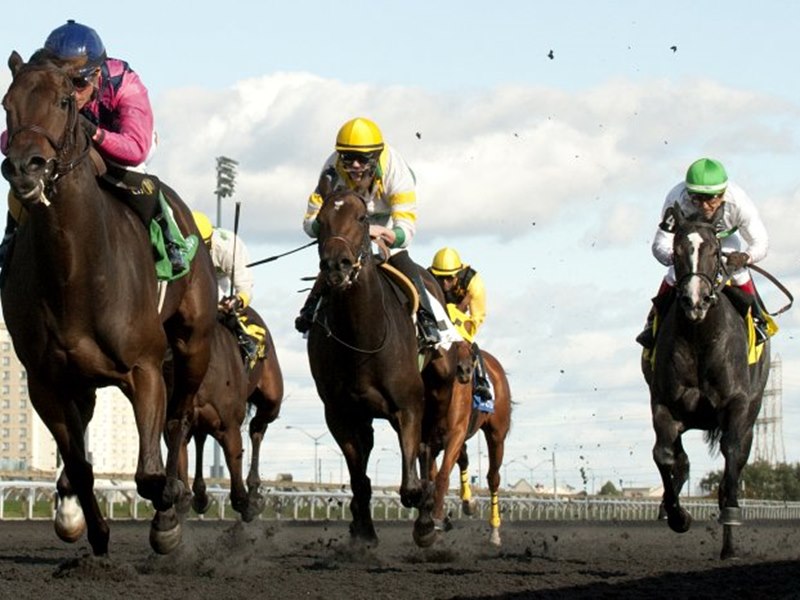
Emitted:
pixel 89 127
pixel 737 260
pixel 231 303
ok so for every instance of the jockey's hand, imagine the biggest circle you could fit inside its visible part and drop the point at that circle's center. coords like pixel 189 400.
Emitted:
pixel 89 127
pixel 384 233
pixel 737 260
pixel 231 304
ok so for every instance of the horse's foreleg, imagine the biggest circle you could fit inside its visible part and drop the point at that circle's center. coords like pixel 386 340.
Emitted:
pixel 495 445
pixel 67 420
pixel 200 500
pixel 468 504
pixel 148 398
pixel 355 437
pixel 735 446
pixel 672 465
pixel 452 451
pixel 231 442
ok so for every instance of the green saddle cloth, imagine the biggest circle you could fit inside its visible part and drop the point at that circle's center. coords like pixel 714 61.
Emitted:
pixel 187 245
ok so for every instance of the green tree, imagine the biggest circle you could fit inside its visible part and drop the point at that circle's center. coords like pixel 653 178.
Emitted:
pixel 761 480
pixel 609 489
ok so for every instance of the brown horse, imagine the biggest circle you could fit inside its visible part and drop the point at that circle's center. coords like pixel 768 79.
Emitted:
pixel 228 390
pixel 365 361
pixel 81 304
pixel 464 421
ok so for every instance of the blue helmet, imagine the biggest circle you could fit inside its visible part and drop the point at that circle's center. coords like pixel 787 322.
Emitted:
pixel 74 40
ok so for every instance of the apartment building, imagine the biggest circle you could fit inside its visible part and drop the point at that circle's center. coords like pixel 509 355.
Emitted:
pixel 26 445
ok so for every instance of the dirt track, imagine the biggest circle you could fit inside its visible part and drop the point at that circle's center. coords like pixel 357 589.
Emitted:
pixel 222 560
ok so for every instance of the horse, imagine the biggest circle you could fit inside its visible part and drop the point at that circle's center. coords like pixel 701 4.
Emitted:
pixel 81 304
pixel 366 364
pixel 700 377
pixel 229 389
pixel 464 421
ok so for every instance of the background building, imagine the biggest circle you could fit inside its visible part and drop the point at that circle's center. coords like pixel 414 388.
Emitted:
pixel 28 448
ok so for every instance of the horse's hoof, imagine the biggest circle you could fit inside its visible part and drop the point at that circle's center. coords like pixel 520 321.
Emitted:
pixel 201 504
pixel 731 515
pixel 494 537
pixel 679 520
pixel 468 507
pixel 70 523
pixel 165 532
pixel 425 534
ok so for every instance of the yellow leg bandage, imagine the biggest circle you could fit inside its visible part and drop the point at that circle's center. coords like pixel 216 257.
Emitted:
pixel 494 518
pixel 466 490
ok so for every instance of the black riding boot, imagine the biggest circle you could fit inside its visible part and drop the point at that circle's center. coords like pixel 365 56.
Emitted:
pixel 304 322
pixel 426 320
pixel 481 385
pixel 247 343
pixel 8 236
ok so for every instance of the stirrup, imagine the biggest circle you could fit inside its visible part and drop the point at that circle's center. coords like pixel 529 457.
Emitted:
pixel 176 258
pixel 483 390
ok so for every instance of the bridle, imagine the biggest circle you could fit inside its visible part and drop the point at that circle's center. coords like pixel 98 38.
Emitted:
pixel 65 159
pixel 720 272
pixel 361 253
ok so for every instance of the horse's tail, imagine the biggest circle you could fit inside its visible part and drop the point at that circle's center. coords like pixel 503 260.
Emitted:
pixel 712 440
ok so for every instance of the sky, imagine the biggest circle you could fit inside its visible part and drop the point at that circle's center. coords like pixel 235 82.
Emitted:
pixel 546 174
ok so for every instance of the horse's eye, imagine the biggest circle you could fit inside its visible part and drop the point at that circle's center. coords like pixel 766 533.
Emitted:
pixel 65 102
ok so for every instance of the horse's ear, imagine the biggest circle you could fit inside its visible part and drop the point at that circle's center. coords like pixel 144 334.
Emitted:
pixel 15 62
pixel 325 185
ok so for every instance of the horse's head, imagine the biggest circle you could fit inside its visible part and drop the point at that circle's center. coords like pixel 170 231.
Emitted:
pixel 344 242
pixel 42 126
pixel 465 362
pixel 698 264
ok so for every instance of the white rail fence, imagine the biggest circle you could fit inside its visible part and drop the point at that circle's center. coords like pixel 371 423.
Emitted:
pixel 120 501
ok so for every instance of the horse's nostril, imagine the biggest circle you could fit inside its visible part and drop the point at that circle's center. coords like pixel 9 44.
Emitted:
pixel 35 164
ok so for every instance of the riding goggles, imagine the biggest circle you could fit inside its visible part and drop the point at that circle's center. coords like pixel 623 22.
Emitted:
pixel 350 158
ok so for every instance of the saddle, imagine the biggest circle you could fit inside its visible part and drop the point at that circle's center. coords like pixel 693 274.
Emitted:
pixel 141 191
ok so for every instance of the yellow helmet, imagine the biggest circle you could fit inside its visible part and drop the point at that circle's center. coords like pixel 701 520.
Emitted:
pixel 446 262
pixel 359 135
pixel 203 225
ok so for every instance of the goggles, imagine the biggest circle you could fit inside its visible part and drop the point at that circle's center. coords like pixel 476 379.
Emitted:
pixel 350 158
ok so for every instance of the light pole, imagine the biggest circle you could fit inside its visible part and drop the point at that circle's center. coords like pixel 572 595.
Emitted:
pixel 316 439
pixel 511 462
pixel 226 182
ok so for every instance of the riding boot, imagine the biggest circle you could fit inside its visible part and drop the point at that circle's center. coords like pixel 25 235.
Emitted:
pixel 8 236
pixel 647 338
pixel 305 321
pixel 428 326
pixel 174 254
pixel 247 343
pixel 759 323
pixel 481 385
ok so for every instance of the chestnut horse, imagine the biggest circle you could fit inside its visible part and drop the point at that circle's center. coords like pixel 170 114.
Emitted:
pixel 700 377
pixel 228 391
pixel 464 421
pixel 81 304
pixel 365 361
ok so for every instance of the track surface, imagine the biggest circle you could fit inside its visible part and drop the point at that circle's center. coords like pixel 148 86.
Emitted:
pixel 223 560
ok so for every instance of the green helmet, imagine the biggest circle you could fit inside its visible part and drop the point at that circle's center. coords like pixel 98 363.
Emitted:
pixel 706 176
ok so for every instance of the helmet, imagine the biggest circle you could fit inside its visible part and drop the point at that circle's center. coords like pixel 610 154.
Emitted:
pixel 446 262
pixel 74 40
pixel 706 176
pixel 359 135
pixel 203 225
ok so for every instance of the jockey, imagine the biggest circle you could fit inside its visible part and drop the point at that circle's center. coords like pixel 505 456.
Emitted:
pixel 463 286
pixel 230 258
pixel 116 115
pixel 364 163
pixel 707 190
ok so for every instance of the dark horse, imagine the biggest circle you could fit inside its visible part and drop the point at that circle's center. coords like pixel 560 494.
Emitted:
pixel 365 361
pixel 700 378
pixel 464 421
pixel 81 304
pixel 228 391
